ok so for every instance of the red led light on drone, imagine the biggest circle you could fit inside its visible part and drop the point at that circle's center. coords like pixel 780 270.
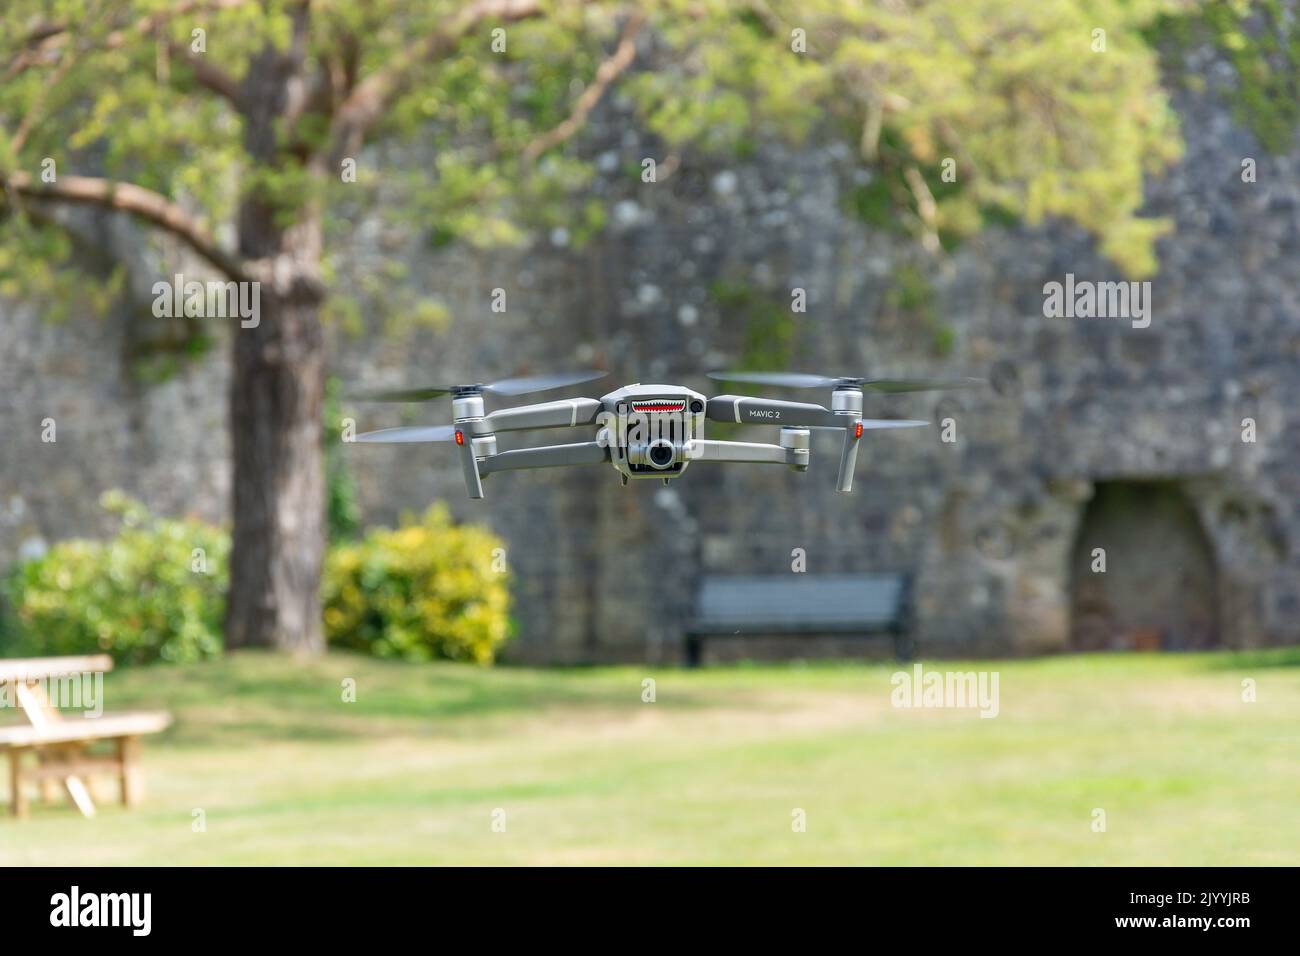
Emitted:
pixel 857 430
pixel 460 436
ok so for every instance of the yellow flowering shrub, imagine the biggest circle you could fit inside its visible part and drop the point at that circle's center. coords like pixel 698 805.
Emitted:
pixel 427 590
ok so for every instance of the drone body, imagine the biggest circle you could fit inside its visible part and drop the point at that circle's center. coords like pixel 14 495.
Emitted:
pixel 648 431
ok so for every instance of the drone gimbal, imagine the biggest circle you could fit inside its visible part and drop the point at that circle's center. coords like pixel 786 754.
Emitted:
pixel 650 431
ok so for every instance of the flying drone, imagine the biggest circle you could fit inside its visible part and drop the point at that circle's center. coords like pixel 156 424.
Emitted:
pixel 649 431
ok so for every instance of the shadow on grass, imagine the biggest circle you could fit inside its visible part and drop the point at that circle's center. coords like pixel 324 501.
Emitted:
pixel 1254 659
pixel 251 697
pixel 255 696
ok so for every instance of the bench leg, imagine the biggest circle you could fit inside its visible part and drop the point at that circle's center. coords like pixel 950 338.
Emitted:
pixel 694 650
pixel 128 757
pixel 54 754
pixel 79 795
pixel 17 799
pixel 50 759
pixel 49 786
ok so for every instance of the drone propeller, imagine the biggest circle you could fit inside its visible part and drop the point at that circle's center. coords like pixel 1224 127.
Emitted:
pixel 871 424
pixel 521 385
pixel 410 434
pixel 803 380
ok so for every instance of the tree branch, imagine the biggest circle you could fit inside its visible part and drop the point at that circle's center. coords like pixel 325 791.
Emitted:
pixel 869 141
pixel 208 75
pixel 33 116
pixel 372 96
pixel 608 71
pixel 143 204
pixel 51 38
pixel 926 208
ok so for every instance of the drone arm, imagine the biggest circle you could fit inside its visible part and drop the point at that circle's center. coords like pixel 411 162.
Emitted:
pixel 549 456
pixel 749 410
pixel 704 449
pixel 560 414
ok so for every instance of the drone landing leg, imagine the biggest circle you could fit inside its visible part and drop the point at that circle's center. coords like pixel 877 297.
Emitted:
pixel 473 483
pixel 848 459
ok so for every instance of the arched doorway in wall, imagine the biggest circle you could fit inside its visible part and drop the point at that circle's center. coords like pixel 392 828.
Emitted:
pixel 1159 588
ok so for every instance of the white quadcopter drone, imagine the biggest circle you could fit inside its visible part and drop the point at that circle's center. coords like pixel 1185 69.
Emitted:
pixel 649 431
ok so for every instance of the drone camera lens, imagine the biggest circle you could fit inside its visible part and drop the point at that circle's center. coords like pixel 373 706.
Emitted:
pixel 661 455
pixel 697 406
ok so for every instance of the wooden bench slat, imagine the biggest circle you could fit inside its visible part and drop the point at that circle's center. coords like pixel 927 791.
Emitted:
pixel 81 767
pixel 37 668
pixel 90 728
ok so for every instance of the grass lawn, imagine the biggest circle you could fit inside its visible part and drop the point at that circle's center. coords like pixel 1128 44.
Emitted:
pixel 412 772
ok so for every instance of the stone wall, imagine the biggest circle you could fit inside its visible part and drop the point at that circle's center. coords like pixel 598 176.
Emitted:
pixel 679 284
pixel 164 441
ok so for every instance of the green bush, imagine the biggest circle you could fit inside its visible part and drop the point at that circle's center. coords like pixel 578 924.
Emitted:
pixel 145 595
pixel 426 590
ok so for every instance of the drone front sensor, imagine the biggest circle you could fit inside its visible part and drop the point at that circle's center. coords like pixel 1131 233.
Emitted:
pixel 649 431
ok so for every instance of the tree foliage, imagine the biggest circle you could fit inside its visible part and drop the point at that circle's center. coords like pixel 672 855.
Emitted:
pixel 1038 113
pixel 1261 41
pixel 1037 121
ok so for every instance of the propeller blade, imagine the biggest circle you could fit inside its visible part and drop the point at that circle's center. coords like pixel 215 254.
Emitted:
pixel 786 379
pixel 410 434
pixel 804 380
pixel 524 384
pixel 402 395
pixel 521 385
pixel 870 423
pixel 919 384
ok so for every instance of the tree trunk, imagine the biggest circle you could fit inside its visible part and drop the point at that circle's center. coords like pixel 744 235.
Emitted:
pixel 278 386
pixel 277 391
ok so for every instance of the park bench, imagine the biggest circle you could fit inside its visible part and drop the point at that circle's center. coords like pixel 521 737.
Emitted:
pixel 61 744
pixel 865 605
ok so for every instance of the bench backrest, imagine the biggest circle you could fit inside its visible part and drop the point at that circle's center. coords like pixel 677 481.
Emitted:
pixel 23 677
pixel 39 668
pixel 802 602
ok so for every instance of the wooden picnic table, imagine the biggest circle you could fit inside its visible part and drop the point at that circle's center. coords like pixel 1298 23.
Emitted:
pixel 61 744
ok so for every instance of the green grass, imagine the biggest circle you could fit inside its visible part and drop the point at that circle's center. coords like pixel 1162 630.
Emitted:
pixel 285 772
